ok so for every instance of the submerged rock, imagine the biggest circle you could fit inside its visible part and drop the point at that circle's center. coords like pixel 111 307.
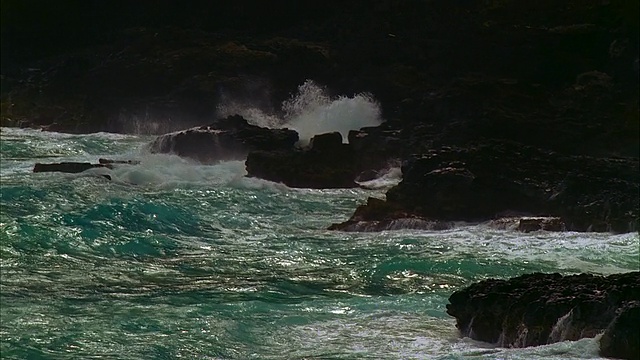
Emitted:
pixel 538 309
pixel 231 138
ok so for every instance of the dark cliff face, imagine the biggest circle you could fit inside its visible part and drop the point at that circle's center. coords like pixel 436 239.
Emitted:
pixel 33 29
pixel 562 77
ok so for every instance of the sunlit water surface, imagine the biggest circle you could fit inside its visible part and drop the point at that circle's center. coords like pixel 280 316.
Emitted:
pixel 173 259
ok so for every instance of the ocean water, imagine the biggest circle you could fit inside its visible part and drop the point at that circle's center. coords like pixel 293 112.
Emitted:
pixel 172 259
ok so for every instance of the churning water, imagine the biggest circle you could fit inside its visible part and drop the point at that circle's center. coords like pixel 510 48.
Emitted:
pixel 172 259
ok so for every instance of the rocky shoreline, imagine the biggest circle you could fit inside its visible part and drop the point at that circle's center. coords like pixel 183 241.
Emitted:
pixel 480 182
pixel 493 108
pixel 538 309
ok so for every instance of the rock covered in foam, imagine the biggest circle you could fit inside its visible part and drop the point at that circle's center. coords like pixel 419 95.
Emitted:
pixel 537 309
pixel 230 138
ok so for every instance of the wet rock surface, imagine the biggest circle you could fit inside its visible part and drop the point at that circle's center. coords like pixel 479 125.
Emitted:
pixel 230 138
pixel 537 309
pixel 325 163
pixel 621 339
pixel 78 167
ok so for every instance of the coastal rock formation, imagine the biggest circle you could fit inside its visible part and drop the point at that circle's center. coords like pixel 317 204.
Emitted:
pixel 621 339
pixel 479 183
pixel 67 167
pixel 325 163
pixel 78 167
pixel 231 138
pixel 450 77
pixel 538 309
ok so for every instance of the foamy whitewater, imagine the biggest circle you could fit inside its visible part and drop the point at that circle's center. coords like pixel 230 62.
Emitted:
pixel 311 111
pixel 172 259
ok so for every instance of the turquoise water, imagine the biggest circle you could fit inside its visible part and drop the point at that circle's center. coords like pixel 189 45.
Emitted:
pixel 177 260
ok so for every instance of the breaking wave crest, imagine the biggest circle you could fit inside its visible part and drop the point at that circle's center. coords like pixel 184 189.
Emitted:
pixel 311 111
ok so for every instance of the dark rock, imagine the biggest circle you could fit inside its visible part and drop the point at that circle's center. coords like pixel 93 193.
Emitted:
pixel 560 78
pixel 369 218
pixel 77 167
pixel 327 163
pixel 529 224
pixel 230 138
pixel 538 309
pixel 621 339
pixel 477 183
pixel 67 167
pixel 125 162
pixel 367 175
pixel 329 142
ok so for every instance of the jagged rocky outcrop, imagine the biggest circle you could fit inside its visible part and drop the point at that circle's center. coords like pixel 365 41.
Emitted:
pixel 326 162
pixel 621 339
pixel 486 181
pixel 230 138
pixel 538 309
pixel 379 215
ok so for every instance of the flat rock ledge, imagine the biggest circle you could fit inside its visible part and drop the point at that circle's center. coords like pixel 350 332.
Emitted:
pixel 230 138
pixel 538 309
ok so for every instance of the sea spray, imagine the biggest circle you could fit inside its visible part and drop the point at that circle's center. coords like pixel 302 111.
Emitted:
pixel 252 114
pixel 385 180
pixel 561 328
pixel 312 111
pixel 198 261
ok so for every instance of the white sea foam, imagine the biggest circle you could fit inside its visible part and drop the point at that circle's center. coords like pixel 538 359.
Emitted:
pixel 387 179
pixel 312 111
pixel 167 171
